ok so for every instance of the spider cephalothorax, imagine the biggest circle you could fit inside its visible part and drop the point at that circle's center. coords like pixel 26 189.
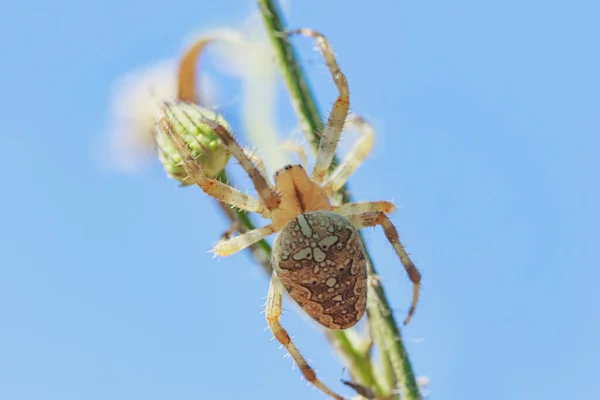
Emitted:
pixel 318 256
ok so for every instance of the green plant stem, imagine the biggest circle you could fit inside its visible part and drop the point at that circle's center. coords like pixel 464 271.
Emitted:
pixel 360 361
pixel 382 321
pixel 292 73
pixel 380 314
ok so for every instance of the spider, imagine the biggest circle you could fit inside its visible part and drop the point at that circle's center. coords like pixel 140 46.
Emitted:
pixel 318 256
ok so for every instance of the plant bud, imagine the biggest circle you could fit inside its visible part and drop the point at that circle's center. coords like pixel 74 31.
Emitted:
pixel 185 119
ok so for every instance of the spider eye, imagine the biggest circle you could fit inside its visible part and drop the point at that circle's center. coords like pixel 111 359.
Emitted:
pixel 289 166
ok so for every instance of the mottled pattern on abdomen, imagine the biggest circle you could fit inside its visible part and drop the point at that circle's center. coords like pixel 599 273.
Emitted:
pixel 320 260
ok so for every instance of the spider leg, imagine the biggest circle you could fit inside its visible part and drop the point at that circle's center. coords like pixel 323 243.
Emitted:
pixel 260 165
pixel 228 246
pixel 379 218
pixel 234 227
pixel 290 145
pixel 273 314
pixel 264 190
pixel 337 117
pixel 354 158
pixel 365 206
pixel 212 187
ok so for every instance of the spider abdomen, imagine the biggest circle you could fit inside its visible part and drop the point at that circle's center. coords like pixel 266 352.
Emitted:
pixel 320 259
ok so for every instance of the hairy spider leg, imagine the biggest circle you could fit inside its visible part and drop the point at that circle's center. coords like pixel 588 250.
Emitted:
pixel 212 187
pixel 234 227
pixel 228 246
pixel 379 218
pixel 362 207
pixel 260 165
pixel 337 117
pixel 264 190
pixel 273 314
pixel 355 156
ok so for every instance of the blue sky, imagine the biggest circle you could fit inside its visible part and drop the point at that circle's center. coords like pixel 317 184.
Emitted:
pixel 487 120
